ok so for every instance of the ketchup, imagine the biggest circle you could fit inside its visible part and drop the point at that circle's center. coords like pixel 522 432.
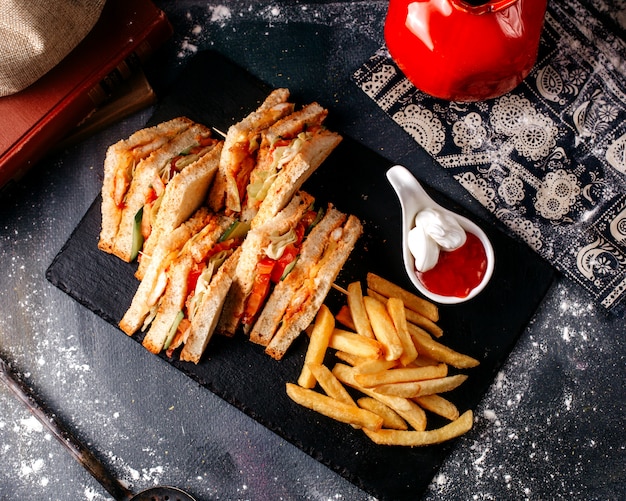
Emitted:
pixel 457 272
pixel 464 50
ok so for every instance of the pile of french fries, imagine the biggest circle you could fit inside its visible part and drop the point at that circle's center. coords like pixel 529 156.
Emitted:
pixel 386 346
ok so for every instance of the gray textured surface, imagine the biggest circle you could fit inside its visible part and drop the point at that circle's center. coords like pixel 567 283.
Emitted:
pixel 551 426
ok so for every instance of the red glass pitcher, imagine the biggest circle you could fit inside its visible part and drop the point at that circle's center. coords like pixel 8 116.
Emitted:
pixel 465 50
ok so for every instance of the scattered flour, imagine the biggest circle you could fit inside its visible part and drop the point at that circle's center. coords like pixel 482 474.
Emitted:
pixel 92 495
pixel 521 443
pixel 219 16
pixel 30 425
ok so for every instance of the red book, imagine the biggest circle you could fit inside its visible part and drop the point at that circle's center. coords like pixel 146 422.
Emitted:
pixel 36 118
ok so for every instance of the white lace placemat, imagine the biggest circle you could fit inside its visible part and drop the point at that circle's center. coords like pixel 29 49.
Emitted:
pixel 549 158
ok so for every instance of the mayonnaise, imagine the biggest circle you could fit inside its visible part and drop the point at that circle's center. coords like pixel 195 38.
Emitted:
pixel 434 231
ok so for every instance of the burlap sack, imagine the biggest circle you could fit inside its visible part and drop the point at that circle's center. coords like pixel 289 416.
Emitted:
pixel 36 34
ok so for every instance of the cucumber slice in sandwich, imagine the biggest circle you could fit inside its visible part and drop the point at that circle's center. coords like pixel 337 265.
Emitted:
pixel 238 229
pixel 137 243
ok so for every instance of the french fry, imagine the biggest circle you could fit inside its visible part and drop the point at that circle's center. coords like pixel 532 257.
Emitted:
pixel 407 389
pixel 411 301
pixel 354 343
pixel 383 328
pixel 428 346
pixel 412 438
pixel 357 310
pixel 318 343
pixel 334 409
pixel 440 385
pixel 423 361
pixel 438 405
pixel 414 415
pixel 344 317
pixel 346 375
pixel 349 358
pixel 392 360
pixel 371 366
pixel 412 316
pixel 401 375
pixel 409 410
pixel 396 310
pixel 330 384
pixel 391 419
pixel 423 322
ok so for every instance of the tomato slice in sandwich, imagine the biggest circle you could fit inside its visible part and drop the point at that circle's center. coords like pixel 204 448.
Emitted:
pixel 260 289
pixel 282 263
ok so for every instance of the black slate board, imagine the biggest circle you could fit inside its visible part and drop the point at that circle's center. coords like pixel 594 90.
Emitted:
pixel 217 93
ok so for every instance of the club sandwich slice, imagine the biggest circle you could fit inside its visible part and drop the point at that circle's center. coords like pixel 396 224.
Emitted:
pixel 184 194
pixel 204 308
pixel 120 162
pixel 290 151
pixel 310 254
pixel 152 174
pixel 197 263
pixel 295 301
pixel 154 281
pixel 240 151
pixel 268 254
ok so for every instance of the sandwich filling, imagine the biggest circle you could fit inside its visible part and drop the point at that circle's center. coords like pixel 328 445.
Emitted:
pixel 207 259
pixel 244 156
pixel 280 258
pixel 282 150
pixel 123 177
pixel 244 152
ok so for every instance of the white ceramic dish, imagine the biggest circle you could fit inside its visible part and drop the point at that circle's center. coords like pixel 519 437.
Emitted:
pixel 413 198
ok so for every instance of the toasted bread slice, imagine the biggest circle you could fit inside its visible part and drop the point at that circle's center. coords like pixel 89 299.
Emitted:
pixel 172 302
pixel 183 195
pixel 119 165
pixel 204 320
pixel 279 144
pixel 311 252
pixel 308 299
pixel 148 178
pixel 240 149
pixel 308 117
pixel 294 173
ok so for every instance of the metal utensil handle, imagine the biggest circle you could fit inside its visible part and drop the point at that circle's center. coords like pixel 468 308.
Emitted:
pixel 85 457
